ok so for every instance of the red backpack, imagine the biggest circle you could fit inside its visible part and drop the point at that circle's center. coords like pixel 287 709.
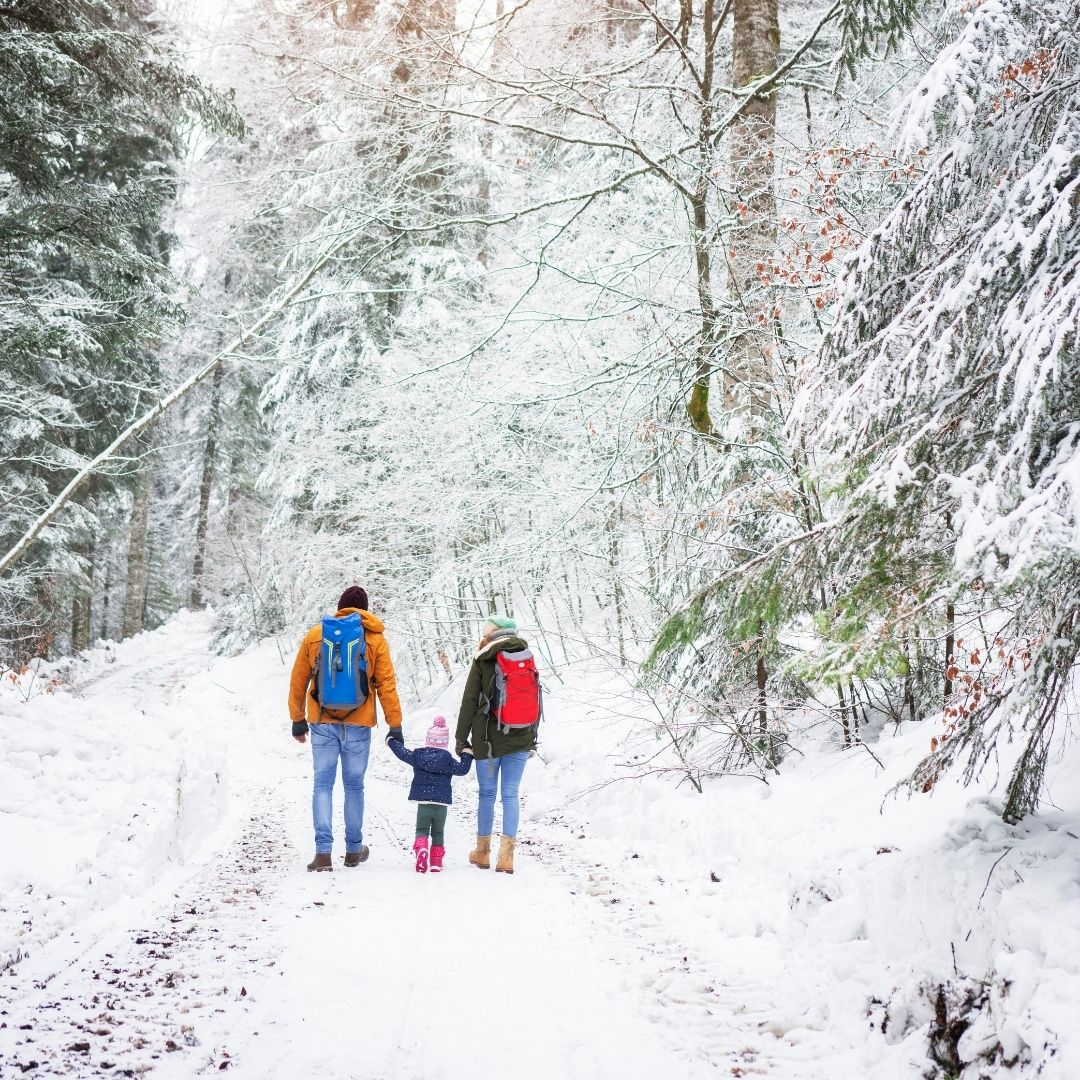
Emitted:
pixel 517 700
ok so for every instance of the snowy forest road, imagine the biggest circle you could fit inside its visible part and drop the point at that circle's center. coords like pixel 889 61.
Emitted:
pixel 247 963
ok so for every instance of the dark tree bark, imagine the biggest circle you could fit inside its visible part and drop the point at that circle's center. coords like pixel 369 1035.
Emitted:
pixel 762 700
pixel 106 597
pixel 950 646
pixel 82 601
pixel 138 569
pixel 698 406
pixel 206 486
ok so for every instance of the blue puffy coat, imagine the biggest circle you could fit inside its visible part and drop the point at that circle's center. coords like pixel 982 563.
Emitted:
pixel 432 770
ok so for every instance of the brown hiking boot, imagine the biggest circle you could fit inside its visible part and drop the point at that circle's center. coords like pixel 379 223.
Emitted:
pixel 355 858
pixel 505 864
pixel 481 855
pixel 321 862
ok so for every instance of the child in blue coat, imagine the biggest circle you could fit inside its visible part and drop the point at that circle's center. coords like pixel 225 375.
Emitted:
pixel 433 766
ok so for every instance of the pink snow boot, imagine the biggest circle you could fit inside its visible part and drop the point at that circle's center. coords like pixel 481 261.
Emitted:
pixel 420 847
pixel 437 852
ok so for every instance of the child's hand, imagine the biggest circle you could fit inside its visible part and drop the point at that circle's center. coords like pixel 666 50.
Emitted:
pixel 465 750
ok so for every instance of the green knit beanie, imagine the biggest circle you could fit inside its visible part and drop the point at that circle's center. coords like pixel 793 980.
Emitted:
pixel 502 622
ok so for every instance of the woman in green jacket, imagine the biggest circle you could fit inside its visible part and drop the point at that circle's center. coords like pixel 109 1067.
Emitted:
pixel 500 754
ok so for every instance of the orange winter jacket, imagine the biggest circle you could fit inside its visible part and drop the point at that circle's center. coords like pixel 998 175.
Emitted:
pixel 380 676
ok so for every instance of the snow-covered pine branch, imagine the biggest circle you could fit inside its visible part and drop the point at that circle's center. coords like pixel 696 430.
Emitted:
pixel 957 344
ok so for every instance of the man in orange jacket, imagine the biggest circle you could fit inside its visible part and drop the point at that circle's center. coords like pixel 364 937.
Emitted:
pixel 346 736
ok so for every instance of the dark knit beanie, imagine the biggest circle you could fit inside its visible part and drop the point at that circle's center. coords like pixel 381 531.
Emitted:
pixel 354 596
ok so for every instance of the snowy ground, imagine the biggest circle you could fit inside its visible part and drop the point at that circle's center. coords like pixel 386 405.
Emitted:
pixel 791 931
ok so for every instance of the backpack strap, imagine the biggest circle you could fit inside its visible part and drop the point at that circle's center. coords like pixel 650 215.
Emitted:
pixel 485 705
pixel 362 678
pixel 315 681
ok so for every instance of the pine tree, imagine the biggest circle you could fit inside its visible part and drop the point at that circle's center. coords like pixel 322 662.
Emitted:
pixel 91 119
pixel 954 448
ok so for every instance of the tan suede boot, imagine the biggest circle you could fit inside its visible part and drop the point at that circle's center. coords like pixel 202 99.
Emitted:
pixel 505 863
pixel 481 855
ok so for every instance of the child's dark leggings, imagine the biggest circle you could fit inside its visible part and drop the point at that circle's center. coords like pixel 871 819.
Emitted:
pixel 431 818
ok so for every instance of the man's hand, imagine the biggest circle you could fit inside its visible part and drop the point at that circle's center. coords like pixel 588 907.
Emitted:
pixel 394 733
pixel 300 738
pixel 300 730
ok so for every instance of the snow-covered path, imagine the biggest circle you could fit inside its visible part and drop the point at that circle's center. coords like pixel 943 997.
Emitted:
pixel 156 915
pixel 248 963
pixel 374 972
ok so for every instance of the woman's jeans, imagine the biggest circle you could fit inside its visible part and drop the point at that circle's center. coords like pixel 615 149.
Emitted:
pixel 492 773
pixel 352 744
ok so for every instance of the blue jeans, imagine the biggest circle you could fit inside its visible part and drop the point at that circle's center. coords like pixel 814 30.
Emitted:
pixel 489 772
pixel 352 744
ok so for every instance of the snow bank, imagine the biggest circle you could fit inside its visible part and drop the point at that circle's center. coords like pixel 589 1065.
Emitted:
pixel 882 923
pixel 107 779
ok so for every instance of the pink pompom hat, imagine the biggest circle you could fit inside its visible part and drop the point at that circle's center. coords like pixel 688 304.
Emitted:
pixel 438 735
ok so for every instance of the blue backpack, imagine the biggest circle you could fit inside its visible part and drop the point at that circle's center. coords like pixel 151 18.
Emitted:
pixel 341 676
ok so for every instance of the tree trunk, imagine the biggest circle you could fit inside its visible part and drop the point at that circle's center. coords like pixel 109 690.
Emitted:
pixel 844 714
pixel 857 736
pixel 138 570
pixel 106 590
pixel 755 50
pixel 81 603
pixel 698 406
pixel 909 691
pixel 618 595
pixel 206 489
pixel 762 704
pixel 950 646
pixel 487 149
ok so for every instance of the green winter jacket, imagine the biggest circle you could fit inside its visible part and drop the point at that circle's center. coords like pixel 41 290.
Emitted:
pixel 475 727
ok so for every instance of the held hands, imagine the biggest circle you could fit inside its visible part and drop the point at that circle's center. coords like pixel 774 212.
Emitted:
pixel 394 733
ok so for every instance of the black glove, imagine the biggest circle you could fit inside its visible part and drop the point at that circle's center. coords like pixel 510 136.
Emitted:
pixel 299 728
pixel 461 746
pixel 395 733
